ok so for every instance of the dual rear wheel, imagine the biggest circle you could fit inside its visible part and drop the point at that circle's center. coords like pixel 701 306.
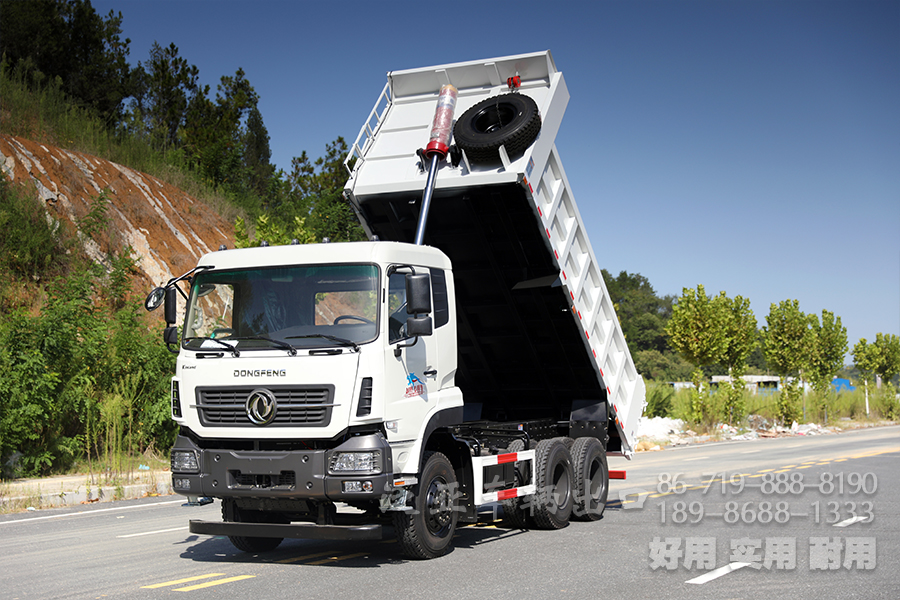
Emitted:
pixel 572 483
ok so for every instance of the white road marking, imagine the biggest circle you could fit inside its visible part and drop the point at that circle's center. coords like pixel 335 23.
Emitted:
pixel 850 521
pixel 696 458
pixel 131 535
pixel 91 512
pixel 715 574
pixel 751 451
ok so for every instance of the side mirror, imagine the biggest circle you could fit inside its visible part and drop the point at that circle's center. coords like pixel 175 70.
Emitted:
pixel 418 294
pixel 170 335
pixel 419 326
pixel 155 299
pixel 171 308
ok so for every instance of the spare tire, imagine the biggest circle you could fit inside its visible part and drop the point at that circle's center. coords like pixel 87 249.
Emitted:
pixel 510 120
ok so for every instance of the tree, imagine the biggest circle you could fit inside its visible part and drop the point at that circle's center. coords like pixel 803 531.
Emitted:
pixel 865 357
pixel 163 89
pixel 881 358
pixel 697 332
pixel 658 366
pixel 316 190
pixel 257 156
pixel 787 340
pixel 741 339
pixel 271 232
pixel 826 354
pixel 212 132
pixel 642 314
pixel 888 356
pixel 68 40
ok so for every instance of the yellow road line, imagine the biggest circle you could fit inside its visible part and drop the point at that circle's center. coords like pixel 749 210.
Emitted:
pixel 200 586
pixel 180 581
pixel 337 558
pixel 299 558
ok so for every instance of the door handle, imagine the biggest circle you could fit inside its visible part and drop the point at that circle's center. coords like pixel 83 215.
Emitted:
pixel 430 373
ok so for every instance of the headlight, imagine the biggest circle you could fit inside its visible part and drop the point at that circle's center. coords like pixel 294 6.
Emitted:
pixel 356 462
pixel 185 461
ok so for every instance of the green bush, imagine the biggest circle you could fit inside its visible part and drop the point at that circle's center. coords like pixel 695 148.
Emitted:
pixel 659 400
pixel 81 379
pixel 886 402
pixel 29 242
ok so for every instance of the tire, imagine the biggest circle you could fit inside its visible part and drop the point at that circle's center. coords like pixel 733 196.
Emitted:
pixel 553 500
pixel 427 531
pixel 231 513
pixel 515 516
pixel 568 443
pixel 510 120
pixel 591 479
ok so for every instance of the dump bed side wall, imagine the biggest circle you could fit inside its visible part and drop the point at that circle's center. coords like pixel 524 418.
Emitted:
pixel 536 327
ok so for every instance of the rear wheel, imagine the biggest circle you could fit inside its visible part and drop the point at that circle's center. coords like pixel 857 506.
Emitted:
pixel 553 501
pixel 591 479
pixel 427 531
pixel 231 513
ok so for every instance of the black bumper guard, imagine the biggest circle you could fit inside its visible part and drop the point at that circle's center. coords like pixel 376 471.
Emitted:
pixel 304 531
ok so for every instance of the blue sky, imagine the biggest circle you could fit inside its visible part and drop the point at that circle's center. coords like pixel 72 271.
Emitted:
pixel 749 146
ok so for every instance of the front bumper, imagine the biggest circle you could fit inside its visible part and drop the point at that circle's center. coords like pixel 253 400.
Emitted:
pixel 295 474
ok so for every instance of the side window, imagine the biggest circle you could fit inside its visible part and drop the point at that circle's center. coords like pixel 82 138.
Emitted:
pixel 396 307
pixel 439 296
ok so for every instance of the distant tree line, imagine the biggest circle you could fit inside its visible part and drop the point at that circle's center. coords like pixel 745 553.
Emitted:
pixel 697 335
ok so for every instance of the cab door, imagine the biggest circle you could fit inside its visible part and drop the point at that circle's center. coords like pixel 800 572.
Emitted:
pixel 412 373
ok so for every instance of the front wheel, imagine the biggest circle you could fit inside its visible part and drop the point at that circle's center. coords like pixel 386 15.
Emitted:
pixel 231 513
pixel 427 530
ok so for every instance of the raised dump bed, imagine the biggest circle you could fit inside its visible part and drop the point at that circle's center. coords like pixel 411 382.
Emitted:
pixel 538 335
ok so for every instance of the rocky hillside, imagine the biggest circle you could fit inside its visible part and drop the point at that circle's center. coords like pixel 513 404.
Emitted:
pixel 167 229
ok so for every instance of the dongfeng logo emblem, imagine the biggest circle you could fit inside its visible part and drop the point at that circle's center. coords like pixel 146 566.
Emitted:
pixel 261 407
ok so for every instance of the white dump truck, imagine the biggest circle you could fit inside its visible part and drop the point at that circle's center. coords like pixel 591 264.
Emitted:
pixel 468 354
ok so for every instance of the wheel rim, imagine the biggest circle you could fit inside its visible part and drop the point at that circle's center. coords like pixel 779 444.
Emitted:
pixel 493 118
pixel 562 486
pixel 595 481
pixel 438 507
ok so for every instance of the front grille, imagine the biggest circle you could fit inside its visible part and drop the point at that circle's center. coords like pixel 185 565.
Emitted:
pixel 308 406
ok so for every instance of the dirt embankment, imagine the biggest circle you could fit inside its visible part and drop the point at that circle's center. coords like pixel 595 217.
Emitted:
pixel 167 229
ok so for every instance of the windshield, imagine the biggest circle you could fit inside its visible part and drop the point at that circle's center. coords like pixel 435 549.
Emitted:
pixel 301 306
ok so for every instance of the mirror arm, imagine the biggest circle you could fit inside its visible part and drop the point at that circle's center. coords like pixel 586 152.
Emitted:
pixel 399 347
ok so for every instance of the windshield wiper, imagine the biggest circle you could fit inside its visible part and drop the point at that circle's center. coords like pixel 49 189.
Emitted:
pixel 333 338
pixel 234 351
pixel 291 350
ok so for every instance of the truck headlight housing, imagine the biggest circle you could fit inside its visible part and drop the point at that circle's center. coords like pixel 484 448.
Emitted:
pixel 185 461
pixel 368 461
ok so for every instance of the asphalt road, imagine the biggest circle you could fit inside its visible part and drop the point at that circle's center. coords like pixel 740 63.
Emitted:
pixel 800 517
